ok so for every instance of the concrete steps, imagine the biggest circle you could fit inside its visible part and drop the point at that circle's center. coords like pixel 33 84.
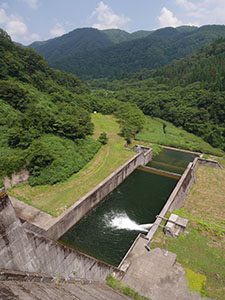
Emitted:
pixel 20 290
pixel 56 259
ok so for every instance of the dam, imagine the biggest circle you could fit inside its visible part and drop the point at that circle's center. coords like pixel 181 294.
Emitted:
pixel 108 230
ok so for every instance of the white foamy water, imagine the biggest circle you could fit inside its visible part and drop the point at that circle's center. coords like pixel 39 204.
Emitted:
pixel 122 221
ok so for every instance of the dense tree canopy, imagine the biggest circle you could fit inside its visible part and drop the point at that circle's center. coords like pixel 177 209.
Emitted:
pixel 45 117
pixel 157 48
pixel 190 93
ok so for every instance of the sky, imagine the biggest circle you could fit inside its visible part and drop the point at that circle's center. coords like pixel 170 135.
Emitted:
pixel 30 20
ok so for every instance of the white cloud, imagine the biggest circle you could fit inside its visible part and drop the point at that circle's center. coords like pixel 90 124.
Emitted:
pixel 167 19
pixel 204 11
pixel 16 27
pixel 186 4
pixel 32 37
pixel 106 18
pixel 57 30
pixel 32 3
pixel 3 16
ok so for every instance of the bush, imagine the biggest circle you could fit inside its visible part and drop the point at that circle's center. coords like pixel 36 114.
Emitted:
pixel 103 139
pixel 52 159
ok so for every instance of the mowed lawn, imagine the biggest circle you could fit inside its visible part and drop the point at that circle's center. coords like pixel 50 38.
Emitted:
pixel 57 198
pixel 201 251
pixel 175 137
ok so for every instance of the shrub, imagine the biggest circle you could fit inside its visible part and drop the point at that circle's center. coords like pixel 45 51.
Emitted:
pixel 103 139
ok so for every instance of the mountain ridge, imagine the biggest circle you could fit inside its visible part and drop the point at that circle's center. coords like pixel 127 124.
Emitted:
pixel 117 59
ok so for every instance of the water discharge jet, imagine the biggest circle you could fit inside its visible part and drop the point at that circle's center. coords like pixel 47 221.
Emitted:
pixel 122 221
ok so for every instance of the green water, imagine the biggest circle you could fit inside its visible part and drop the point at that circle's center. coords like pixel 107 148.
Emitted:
pixel 172 160
pixel 109 230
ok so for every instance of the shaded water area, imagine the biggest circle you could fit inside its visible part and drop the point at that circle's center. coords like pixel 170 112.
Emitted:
pixel 172 160
pixel 109 230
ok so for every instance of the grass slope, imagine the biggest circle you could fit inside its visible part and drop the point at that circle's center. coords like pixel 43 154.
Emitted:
pixel 56 198
pixel 202 251
pixel 174 137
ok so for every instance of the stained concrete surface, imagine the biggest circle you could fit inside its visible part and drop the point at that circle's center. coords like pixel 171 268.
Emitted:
pixel 19 290
pixel 155 274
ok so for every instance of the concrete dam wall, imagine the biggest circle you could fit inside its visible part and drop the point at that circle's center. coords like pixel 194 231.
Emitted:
pixel 21 250
pixel 16 251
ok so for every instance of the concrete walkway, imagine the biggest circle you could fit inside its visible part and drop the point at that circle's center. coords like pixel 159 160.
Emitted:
pixel 155 274
pixel 32 215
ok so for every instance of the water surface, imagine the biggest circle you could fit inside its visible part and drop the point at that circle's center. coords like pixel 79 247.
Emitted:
pixel 109 230
pixel 172 160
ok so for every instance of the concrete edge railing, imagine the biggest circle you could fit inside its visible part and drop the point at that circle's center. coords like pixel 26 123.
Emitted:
pixel 128 252
pixel 81 207
pixel 182 150
pixel 10 275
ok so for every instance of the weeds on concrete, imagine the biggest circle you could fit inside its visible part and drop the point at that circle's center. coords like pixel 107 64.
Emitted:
pixel 125 290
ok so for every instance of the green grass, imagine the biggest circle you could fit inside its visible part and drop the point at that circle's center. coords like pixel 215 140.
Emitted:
pixel 196 281
pixel 201 250
pixel 125 290
pixel 174 137
pixel 54 199
pixel 200 255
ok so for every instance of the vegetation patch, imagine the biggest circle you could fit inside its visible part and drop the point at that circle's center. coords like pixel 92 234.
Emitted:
pixel 54 199
pixel 174 137
pixel 125 290
pixel 196 281
pixel 202 248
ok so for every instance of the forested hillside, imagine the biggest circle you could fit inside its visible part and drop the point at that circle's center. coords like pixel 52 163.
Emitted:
pixel 45 117
pixel 76 41
pixel 156 49
pixel 190 93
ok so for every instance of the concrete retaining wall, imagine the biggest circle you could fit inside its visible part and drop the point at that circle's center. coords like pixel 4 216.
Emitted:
pixel 56 259
pixel 76 212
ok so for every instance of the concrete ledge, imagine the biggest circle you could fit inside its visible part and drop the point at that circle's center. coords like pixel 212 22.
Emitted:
pixel 8 275
pixel 160 172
